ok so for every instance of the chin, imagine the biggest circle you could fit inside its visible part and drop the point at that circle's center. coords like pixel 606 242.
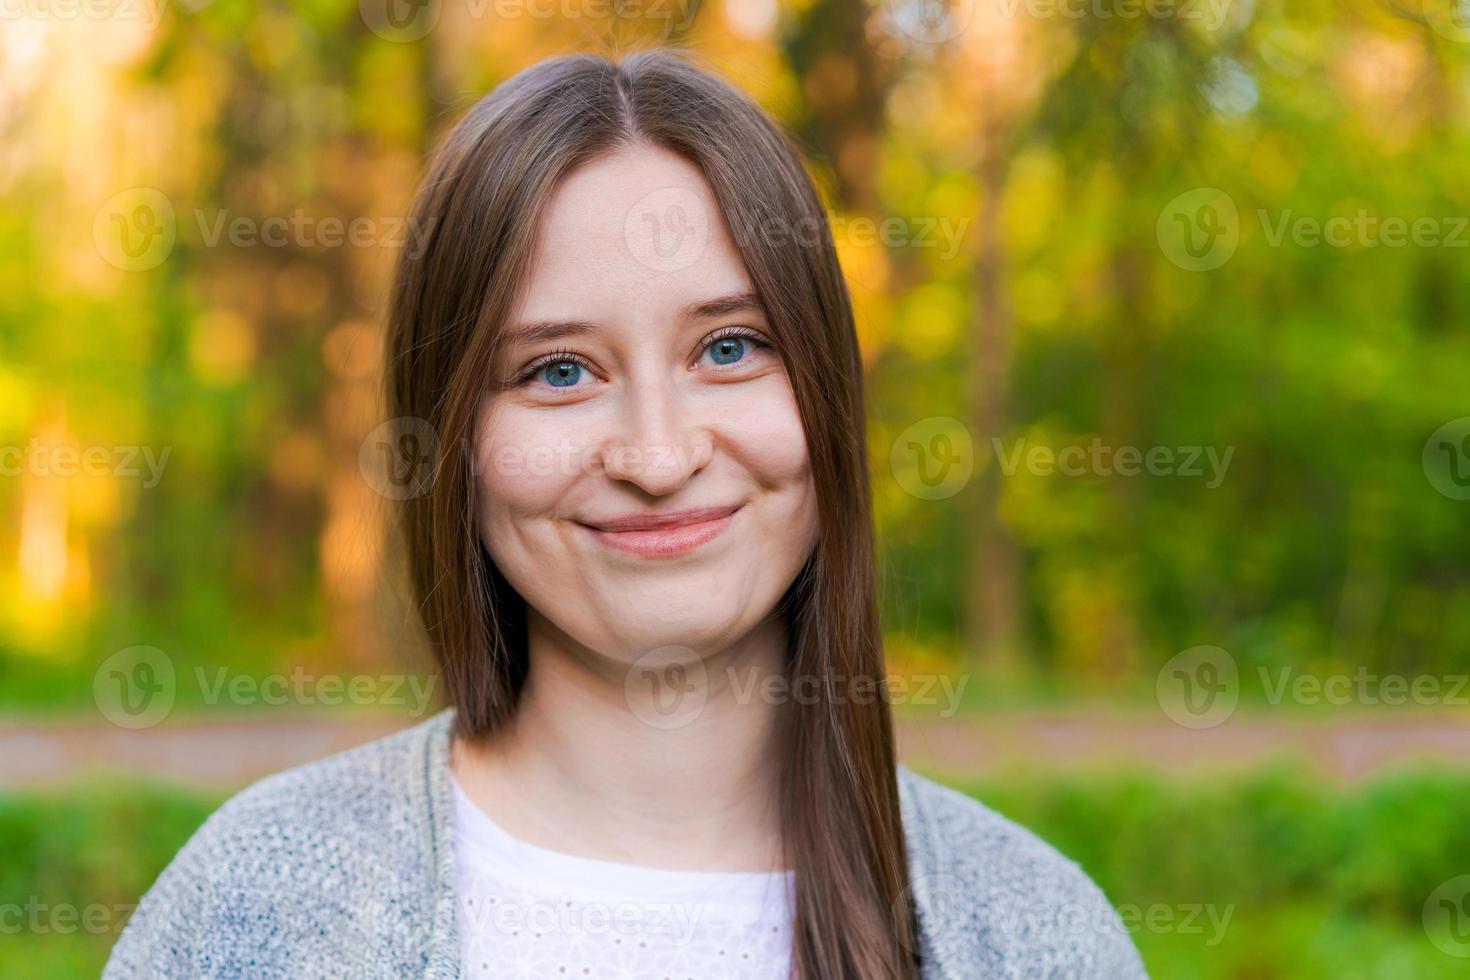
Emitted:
pixel 641 635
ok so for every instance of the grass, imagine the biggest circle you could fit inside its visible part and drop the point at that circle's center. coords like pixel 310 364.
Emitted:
pixel 73 864
pixel 1310 879
pixel 1303 879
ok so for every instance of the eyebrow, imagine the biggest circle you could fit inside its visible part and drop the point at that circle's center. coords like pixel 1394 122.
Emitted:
pixel 539 331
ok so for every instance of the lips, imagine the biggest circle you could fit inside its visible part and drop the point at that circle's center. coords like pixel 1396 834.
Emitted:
pixel 651 522
pixel 663 535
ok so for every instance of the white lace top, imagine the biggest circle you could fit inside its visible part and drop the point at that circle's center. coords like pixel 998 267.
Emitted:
pixel 528 913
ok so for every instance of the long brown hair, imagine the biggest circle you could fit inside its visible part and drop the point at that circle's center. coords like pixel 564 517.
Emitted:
pixel 480 202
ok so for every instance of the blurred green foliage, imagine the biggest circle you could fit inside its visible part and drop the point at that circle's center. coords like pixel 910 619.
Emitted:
pixel 1303 879
pixel 73 866
pixel 1257 840
pixel 1060 313
pixel 1053 148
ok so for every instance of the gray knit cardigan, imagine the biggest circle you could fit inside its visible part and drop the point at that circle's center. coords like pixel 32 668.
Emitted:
pixel 345 868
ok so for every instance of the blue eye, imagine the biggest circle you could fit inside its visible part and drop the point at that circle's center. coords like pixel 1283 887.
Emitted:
pixel 564 368
pixel 727 350
pixel 562 374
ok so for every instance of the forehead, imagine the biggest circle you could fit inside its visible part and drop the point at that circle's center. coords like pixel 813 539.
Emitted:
pixel 635 233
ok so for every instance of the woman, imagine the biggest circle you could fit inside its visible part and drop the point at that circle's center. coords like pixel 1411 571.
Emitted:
pixel 644 560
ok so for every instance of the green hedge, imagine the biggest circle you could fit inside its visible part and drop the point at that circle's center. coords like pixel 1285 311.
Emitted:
pixel 1272 836
pixel 73 865
pixel 1319 880
pixel 1312 879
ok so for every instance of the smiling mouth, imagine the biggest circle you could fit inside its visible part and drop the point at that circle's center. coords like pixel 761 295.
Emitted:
pixel 663 535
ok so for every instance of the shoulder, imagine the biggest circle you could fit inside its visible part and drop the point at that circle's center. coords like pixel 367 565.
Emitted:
pixel 999 900
pixel 358 793
pixel 305 863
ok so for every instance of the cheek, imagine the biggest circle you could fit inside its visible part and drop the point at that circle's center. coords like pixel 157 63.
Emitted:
pixel 768 442
pixel 767 437
pixel 523 465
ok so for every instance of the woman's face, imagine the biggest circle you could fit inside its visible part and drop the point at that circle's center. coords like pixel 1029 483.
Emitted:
pixel 643 387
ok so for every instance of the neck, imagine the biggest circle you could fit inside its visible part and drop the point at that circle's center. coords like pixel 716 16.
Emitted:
pixel 587 768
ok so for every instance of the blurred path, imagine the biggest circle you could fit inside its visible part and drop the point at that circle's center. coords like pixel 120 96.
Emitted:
pixel 1348 748
pixel 226 753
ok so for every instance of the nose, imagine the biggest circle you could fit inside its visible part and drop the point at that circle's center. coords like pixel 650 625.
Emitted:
pixel 659 441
